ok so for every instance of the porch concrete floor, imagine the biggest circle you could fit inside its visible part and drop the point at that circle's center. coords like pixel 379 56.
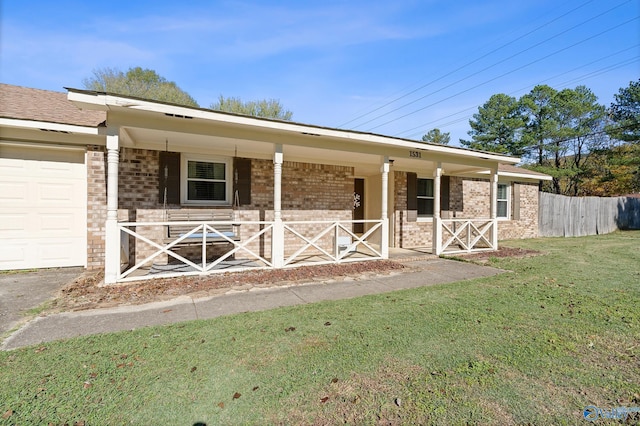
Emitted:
pixel 240 264
pixel 406 254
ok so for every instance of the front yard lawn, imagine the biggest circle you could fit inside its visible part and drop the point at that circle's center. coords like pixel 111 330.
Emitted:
pixel 536 345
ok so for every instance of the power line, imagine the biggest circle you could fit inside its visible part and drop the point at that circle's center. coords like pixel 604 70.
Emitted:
pixel 504 74
pixel 590 75
pixel 491 66
pixel 465 65
pixel 487 68
pixel 565 84
pixel 600 71
pixel 557 142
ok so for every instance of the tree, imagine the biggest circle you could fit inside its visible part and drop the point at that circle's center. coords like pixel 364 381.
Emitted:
pixel 436 136
pixel 613 171
pixel 264 108
pixel 625 114
pixel 538 108
pixel 563 128
pixel 580 120
pixel 497 126
pixel 140 83
pixel 564 134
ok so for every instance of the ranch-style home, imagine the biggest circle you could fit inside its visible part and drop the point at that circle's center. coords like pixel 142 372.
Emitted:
pixel 146 189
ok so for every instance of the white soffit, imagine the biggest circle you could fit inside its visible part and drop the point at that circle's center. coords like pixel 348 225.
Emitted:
pixel 523 175
pixel 47 126
pixel 98 101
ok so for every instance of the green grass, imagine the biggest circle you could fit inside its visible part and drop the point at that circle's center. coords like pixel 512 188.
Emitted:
pixel 17 271
pixel 535 345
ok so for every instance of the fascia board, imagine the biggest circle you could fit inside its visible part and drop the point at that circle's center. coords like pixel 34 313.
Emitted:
pixel 521 176
pixel 111 103
pixel 45 125
pixel 525 176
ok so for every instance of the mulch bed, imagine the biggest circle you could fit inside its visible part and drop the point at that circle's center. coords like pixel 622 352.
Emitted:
pixel 87 292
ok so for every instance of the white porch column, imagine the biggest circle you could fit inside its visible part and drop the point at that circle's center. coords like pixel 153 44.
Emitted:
pixel 494 207
pixel 277 239
pixel 112 234
pixel 436 242
pixel 384 240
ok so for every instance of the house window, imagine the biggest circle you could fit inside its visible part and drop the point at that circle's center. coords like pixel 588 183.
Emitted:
pixel 503 201
pixel 425 197
pixel 206 181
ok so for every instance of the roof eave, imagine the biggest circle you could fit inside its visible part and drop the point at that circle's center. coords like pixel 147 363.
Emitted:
pixel 528 176
pixel 107 102
pixel 49 126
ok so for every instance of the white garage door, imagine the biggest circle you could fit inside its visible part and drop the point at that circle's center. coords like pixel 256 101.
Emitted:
pixel 43 216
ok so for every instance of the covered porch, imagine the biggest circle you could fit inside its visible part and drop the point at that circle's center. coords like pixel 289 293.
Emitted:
pixel 299 209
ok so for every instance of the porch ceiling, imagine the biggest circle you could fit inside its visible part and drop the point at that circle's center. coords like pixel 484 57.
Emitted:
pixel 147 124
pixel 227 146
pixel 364 164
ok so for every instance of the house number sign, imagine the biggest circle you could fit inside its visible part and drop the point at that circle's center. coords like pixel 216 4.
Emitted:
pixel 415 154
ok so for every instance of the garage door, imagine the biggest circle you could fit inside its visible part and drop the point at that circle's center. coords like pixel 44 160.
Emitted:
pixel 42 207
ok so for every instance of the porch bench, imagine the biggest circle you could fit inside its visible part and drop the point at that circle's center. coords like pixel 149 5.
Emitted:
pixel 174 232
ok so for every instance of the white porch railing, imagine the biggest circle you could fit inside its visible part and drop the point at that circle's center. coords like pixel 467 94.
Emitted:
pixel 306 243
pixel 345 246
pixel 468 235
pixel 206 235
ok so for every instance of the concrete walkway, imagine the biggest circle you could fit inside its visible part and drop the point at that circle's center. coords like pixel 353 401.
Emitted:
pixel 24 290
pixel 418 273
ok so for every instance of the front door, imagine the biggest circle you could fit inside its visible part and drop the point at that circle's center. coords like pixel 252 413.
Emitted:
pixel 358 205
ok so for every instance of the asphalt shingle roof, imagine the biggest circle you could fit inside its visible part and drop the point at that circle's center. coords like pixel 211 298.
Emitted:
pixel 508 168
pixel 24 103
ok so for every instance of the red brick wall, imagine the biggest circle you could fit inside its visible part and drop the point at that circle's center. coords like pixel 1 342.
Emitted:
pixel 310 192
pixel 138 189
pixel 527 225
pixel 468 198
pixel 408 234
pixel 316 187
pixel 305 186
pixel 138 179
pixel 96 206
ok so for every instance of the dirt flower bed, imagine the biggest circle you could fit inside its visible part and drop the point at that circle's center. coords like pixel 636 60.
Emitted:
pixel 87 293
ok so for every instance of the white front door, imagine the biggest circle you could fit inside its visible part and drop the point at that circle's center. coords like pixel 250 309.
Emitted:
pixel 43 207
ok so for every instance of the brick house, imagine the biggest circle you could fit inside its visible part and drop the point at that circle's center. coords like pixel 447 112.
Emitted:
pixel 144 189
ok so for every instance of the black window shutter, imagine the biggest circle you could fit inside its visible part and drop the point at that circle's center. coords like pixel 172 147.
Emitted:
pixel 444 192
pixel 412 197
pixel 169 162
pixel 242 186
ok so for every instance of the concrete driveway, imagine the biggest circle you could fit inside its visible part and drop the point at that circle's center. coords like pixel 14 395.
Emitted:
pixel 21 291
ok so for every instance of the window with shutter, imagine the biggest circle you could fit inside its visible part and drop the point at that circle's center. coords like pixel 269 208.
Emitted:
pixel 420 196
pixel 503 201
pixel 206 180
pixel 425 197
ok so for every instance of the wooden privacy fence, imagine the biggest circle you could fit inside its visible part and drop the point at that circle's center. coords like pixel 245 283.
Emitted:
pixel 562 216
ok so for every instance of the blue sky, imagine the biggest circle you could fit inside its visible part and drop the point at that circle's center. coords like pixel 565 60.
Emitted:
pixel 397 67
